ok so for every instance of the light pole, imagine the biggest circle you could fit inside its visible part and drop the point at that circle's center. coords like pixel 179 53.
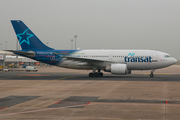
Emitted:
pixel 75 36
pixel 6 52
pixel 6 44
pixel 72 44
pixel 6 47
pixel 17 45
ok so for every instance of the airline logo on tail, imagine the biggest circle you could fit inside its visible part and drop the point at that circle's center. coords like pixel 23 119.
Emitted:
pixel 24 37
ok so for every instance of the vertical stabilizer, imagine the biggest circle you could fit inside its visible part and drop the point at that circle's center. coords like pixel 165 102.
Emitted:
pixel 27 39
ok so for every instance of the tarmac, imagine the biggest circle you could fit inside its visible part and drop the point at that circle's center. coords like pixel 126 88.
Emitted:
pixel 55 93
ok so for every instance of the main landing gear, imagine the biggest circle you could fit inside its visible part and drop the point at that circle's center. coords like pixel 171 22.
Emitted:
pixel 96 74
pixel 152 75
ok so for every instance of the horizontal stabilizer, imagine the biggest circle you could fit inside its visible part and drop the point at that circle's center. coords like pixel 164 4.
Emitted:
pixel 29 53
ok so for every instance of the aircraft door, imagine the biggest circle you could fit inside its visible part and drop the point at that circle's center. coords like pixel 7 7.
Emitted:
pixel 154 57
pixel 110 57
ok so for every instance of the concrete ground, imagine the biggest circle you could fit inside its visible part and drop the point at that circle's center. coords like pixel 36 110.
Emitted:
pixel 55 93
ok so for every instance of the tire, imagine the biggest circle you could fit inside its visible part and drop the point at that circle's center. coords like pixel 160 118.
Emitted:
pixel 151 75
pixel 100 74
pixel 96 75
pixel 91 74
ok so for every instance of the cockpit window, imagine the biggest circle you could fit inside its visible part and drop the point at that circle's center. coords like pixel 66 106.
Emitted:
pixel 167 56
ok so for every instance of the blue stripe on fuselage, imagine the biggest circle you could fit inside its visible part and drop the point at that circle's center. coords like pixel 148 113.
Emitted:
pixel 52 57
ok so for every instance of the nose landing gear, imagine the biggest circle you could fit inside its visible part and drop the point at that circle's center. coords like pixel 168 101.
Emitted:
pixel 152 75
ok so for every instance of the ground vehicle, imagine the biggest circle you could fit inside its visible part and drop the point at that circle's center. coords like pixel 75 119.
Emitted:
pixel 31 68
pixel 5 70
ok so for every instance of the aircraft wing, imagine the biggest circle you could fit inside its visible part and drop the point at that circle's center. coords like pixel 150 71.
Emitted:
pixel 88 60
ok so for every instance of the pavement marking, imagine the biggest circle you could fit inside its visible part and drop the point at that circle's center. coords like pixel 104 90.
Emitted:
pixel 5 77
pixel 34 75
pixel 57 102
pixel 63 78
pixel 45 81
pixel 90 103
pixel 149 104
pixel 66 93
pixel 10 77
pixel 159 73
pixel 67 77
pixel 39 110
pixel 3 108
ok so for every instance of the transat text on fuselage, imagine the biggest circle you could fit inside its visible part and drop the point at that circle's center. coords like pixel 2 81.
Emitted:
pixel 137 59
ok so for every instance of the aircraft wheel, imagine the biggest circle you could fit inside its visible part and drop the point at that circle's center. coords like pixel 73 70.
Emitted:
pixel 96 74
pixel 151 75
pixel 100 74
pixel 91 74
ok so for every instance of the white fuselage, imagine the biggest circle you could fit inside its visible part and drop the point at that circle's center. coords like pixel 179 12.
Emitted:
pixel 135 59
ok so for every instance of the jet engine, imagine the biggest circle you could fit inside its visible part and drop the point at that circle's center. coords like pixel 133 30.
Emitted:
pixel 119 69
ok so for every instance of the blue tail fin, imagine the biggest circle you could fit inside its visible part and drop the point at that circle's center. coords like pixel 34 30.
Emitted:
pixel 27 39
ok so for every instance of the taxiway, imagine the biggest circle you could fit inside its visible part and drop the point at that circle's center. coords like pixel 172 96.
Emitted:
pixel 58 93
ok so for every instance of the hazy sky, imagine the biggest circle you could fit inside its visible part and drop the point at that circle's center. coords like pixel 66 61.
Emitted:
pixel 99 24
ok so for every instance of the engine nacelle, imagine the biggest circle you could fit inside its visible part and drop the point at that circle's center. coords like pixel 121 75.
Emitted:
pixel 119 69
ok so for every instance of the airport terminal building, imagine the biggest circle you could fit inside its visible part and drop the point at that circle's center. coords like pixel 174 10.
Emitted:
pixel 10 58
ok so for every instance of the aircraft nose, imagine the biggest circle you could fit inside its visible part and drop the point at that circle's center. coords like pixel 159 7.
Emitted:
pixel 174 61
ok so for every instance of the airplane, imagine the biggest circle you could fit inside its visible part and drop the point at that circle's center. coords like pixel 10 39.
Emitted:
pixel 118 62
